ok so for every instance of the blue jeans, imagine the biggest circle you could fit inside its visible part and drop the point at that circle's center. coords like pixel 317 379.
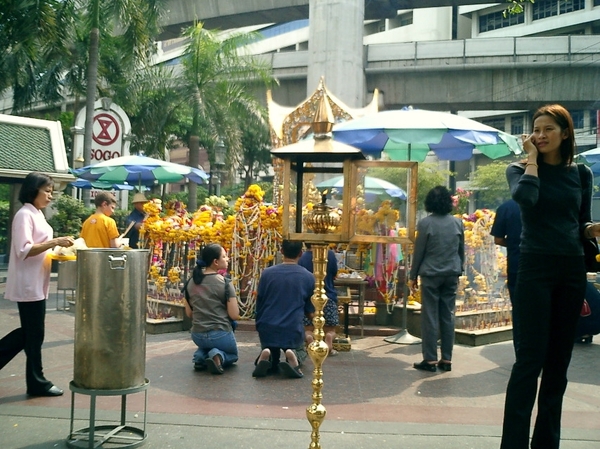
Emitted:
pixel 215 342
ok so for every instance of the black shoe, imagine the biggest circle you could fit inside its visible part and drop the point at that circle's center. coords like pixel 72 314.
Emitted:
pixel 444 366
pixel 425 366
pixel 53 391
pixel 585 340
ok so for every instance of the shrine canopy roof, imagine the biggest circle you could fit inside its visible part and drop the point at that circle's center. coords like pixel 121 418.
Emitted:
pixel 289 124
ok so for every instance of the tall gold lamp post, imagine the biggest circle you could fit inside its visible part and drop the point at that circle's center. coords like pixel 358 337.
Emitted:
pixel 320 226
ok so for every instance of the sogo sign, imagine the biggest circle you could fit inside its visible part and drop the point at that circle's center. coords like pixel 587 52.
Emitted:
pixel 109 132
pixel 106 134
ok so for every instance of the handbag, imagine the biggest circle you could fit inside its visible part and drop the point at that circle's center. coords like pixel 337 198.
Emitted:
pixel 590 246
pixel 585 309
pixel 590 253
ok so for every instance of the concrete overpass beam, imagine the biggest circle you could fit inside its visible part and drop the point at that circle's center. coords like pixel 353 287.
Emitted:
pixel 491 88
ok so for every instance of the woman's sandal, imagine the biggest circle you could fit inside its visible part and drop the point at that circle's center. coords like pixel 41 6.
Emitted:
pixel 286 367
pixel 214 367
pixel 263 364
pixel 290 371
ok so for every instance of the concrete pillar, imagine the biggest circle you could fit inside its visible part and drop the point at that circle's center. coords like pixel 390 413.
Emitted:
pixel 335 48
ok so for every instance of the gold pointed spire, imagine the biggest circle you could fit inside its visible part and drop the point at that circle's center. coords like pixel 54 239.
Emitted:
pixel 323 120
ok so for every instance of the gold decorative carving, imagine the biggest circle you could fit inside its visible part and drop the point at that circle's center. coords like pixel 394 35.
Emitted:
pixel 289 125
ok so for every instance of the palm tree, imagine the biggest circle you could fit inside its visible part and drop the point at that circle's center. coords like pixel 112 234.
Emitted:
pixel 138 20
pixel 215 80
pixel 256 141
pixel 157 115
pixel 29 31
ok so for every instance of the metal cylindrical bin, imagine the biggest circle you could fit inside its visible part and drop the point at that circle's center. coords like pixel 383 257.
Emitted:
pixel 67 275
pixel 110 318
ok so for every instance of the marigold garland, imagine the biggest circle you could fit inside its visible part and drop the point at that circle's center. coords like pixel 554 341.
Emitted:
pixel 256 238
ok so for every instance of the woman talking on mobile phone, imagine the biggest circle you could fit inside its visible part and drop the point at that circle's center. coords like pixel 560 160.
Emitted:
pixel 555 204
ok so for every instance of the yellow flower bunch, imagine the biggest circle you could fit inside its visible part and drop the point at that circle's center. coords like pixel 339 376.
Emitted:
pixel 386 215
pixel 362 248
pixel 175 207
pixel 254 192
pixel 202 217
pixel 154 272
pixel 171 229
pixel 270 217
pixel 501 261
pixel 365 221
pixel 153 207
pixel 174 275
pixel 414 297
pixel 160 282
pixel 482 259
pixel 369 222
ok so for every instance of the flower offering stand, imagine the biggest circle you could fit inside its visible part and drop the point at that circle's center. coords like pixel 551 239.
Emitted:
pixel 483 308
pixel 250 233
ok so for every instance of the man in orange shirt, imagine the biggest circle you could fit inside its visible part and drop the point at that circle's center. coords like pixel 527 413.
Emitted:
pixel 100 230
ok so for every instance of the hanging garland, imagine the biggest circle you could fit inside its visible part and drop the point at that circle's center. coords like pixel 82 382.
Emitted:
pixel 256 238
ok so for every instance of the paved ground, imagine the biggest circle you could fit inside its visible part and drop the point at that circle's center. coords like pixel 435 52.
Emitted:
pixel 373 396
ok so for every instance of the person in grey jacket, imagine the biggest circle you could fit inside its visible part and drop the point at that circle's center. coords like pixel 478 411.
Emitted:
pixel 438 259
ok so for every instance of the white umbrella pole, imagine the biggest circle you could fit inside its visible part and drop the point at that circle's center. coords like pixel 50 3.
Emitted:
pixel 404 337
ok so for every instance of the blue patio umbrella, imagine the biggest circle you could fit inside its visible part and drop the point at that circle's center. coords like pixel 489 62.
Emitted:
pixel 410 134
pixel 84 184
pixel 591 156
pixel 373 187
pixel 140 171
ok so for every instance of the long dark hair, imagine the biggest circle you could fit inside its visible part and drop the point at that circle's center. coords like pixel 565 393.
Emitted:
pixel 207 256
pixel 438 201
pixel 32 184
pixel 563 119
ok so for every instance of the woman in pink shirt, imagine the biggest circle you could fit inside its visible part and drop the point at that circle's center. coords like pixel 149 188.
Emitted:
pixel 28 280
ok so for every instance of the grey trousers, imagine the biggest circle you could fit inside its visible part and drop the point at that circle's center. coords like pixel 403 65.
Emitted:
pixel 438 298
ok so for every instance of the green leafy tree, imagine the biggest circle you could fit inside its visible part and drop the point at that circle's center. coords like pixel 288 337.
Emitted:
pixel 70 215
pixel 489 181
pixel 256 144
pixel 157 115
pixel 4 220
pixel 515 7
pixel 429 174
pixel 138 20
pixel 267 187
pixel 214 80
pixel 30 30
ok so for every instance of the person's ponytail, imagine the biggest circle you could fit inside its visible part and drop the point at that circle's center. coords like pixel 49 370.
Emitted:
pixel 207 256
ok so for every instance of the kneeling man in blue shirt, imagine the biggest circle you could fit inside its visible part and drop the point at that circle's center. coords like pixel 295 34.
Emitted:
pixel 283 299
